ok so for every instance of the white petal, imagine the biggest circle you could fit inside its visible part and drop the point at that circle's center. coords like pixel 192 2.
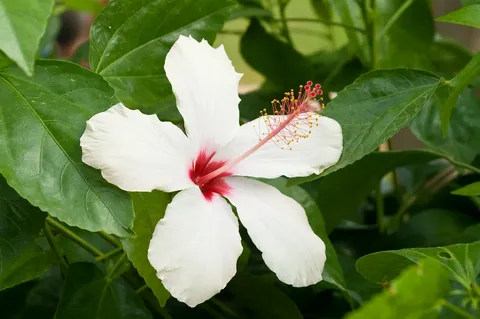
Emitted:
pixel 205 85
pixel 311 155
pixel 137 152
pixel 195 247
pixel 279 228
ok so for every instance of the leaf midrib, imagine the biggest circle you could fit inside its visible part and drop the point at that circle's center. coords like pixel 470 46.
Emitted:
pixel 32 109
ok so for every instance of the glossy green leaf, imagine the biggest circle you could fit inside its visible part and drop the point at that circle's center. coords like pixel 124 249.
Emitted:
pixel 467 15
pixel 375 107
pixel 21 259
pixel 416 293
pixel 398 44
pixel 42 119
pixel 149 209
pixel 92 6
pixel 455 87
pixel 332 272
pixel 469 190
pixel 131 38
pixel 87 294
pixel 461 143
pixel 262 299
pixel 351 14
pixel 21 29
pixel 274 58
pixel 462 261
pixel 358 180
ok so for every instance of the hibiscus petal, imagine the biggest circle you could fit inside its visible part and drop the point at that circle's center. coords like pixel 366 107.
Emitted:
pixel 205 85
pixel 279 228
pixel 311 155
pixel 137 152
pixel 195 247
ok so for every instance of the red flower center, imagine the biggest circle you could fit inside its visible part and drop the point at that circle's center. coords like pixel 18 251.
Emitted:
pixel 204 165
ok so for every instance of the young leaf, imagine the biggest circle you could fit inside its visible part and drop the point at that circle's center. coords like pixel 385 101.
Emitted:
pixel 375 107
pixel 469 190
pixel 416 293
pixel 455 87
pixel 462 261
pixel 22 24
pixel 149 209
pixel 20 223
pixel 131 38
pixel 88 294
pixel 467 15
pixel 42 119
pixel 461 143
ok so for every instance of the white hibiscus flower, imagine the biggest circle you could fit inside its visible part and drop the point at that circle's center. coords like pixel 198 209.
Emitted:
pixel 195 247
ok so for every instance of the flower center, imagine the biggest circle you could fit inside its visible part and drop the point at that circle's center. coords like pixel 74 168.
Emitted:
pixel 202 166
pixel 292 121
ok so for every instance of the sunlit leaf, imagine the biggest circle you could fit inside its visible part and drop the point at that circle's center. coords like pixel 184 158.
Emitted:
pixel 22 24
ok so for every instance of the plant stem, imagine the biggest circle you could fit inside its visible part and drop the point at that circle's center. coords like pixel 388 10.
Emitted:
pixel 55 248
pixel 72 236
pixel 370 12
pixel 282 4
pixel 109 254
pixel 141 289
pixel 213 313
pixel 111 239
pixel 380 207
pixel 326 22
pixel 394 18
pixel 457 310
pixel 117 266
pixel 396 184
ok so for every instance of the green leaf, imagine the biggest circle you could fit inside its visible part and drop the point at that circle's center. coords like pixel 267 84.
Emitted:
pixel 274 58
pixel 399 43
pixel 130 39
pixel 332 272
pixel 41 120
pixel 351 14
pixel 469 190
pixel 375 107
pixel 21 259
pixel 262 299
pixel 22 25
pixel 461 143
pixel 455 88
pixel 467 15
pixel 448 56
pixel 89 295
pixel 149 209
pixel 462 261
pixel 74 253
pixel 433 227
pixel 416 293
pixel 358 180
pixel 92 6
